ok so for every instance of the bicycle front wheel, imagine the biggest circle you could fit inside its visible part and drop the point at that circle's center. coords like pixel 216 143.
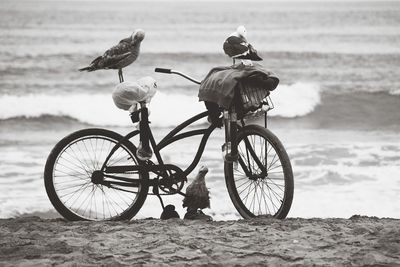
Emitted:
pixel 70 185
pixel 262 182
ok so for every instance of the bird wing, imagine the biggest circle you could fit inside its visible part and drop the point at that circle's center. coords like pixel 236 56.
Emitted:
pixel 119 49
pixel 189 193
pixel 126 40
pixel 96 61
pixel 254 54
pixel 197 195
pixel 110 61
pixel 191 189
pixel 252 50
pixel 234 46
pixel 115 54
pixel 251 54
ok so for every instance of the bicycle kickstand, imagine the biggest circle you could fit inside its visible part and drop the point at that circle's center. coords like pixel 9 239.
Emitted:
pixel 157 193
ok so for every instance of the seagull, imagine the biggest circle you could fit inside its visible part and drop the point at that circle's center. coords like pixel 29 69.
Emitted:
pixel 197 196
pixel 237 47
pixel 119 56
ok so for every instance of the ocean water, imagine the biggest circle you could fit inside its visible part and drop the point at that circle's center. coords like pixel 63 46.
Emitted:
pixel 337 108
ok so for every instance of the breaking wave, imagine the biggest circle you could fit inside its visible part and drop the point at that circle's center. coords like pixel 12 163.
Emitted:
pixel 295 100
pixel 166 109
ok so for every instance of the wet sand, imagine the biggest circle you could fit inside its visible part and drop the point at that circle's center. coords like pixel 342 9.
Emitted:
pixel 358 241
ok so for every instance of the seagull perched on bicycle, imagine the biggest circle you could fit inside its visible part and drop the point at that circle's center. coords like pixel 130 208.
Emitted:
pixel 119 56
pixel 237 47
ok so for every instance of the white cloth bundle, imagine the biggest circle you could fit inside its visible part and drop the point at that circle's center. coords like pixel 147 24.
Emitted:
pixel 127 94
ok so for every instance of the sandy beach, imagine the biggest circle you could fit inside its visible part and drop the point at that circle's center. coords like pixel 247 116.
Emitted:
pixel 358 241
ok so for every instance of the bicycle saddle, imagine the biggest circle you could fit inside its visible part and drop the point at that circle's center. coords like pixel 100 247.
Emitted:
pixel 126 94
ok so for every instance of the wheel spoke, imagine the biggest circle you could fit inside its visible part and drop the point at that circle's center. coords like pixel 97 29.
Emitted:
pixel 74 164
pixel 259 193
pixel 72 178
pixel 71 169
pixel 82 189
pixel 74 175
pixel 247 181
pixel 83 165
pixel 265 201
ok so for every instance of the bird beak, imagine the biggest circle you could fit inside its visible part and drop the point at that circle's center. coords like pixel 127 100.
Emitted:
pixel 203 169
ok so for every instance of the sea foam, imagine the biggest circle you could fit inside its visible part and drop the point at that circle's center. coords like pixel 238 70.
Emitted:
pixel 167 109
pixel 295 100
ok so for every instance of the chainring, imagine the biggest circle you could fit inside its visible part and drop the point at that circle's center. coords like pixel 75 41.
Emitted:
pixel 172 184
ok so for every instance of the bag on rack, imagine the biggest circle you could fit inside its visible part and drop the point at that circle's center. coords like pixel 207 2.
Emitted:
pixel 251 92
pixel 241 87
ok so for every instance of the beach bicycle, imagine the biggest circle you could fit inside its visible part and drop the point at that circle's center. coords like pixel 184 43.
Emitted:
pixel 98 174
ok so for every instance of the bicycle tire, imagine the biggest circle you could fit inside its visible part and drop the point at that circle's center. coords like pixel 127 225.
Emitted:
pixel 236 187
pixel 69 164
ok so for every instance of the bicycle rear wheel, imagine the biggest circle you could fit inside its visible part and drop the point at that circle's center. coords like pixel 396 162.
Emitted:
pixel 68 177
pixel 262 184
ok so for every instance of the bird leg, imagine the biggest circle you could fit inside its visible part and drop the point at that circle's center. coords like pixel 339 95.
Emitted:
pixel 121 77
pixel 191 210
pixel 190 213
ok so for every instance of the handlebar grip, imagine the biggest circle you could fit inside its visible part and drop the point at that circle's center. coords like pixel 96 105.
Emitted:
pixel 162 70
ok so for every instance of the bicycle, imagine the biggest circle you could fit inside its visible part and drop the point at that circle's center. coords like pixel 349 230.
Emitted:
pixel 96 174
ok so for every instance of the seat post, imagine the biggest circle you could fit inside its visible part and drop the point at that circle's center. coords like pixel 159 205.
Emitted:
pixel 144 151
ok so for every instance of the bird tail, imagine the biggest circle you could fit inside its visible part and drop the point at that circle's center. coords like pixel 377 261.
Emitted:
pixel 88 68
pixel 255 57
pixel 253 54
pixel 94 65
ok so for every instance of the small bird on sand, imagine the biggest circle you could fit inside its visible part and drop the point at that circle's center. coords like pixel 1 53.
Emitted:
pixel 197 197
pixel 237 47
pixel 119 56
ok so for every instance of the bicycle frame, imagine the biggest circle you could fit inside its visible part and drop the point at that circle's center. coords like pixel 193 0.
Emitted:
pixel 82 185
pixel 160 169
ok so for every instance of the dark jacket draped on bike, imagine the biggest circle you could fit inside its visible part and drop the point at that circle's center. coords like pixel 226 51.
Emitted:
pixel 220 84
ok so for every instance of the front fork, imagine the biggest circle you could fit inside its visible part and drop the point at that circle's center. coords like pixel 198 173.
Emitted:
pixel 230 148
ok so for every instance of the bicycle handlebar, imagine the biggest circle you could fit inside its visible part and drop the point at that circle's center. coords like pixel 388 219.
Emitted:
pixel 169 71
pixel 162 70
